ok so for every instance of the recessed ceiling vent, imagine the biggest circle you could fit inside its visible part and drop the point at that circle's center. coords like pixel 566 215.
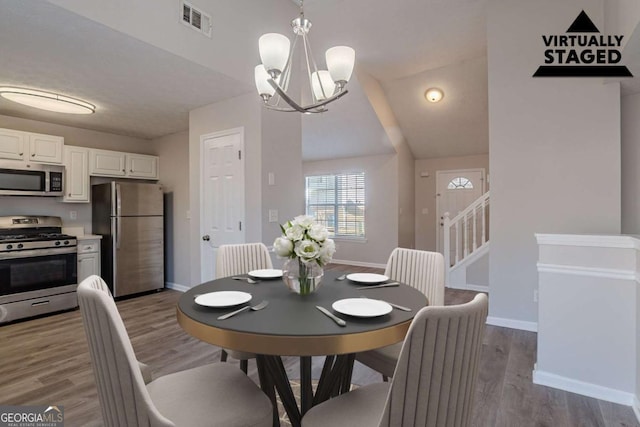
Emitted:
pixel 195 18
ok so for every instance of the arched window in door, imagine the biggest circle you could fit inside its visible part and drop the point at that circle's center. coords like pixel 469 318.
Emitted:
pixel 460 183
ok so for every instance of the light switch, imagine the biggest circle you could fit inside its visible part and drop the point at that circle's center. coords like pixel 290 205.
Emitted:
pixel 425 211
pixel 273 215
pixel 188 215
pixel 272 178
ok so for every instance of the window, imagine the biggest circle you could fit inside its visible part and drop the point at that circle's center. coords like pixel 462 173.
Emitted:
pixel 460 183
pixel 337 202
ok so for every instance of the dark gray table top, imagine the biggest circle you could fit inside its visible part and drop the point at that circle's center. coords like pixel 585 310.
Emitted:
pixel 289 315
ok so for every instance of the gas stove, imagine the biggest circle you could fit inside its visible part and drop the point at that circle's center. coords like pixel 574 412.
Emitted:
pixel 38 267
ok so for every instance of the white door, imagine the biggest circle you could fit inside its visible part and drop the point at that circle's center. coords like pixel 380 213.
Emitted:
pixel 455 190
pixel 222 196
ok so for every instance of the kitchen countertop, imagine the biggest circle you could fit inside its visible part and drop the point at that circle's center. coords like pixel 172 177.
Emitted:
pixel 88 237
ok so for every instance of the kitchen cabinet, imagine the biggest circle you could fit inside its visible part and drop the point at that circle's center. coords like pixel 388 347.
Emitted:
pixel 107 163
pixel 142 166
pixel 31 147
pixel 88 257
pixel 119 164
pixel 76 161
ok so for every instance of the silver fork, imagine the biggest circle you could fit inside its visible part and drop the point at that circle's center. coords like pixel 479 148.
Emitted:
pixel 256 307
pixel 248 279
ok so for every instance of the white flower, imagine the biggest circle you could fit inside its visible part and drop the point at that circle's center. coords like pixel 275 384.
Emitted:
pixel 304 221
pixel 318 232
pixel 283 247
pixel 307 249
pixel 326 251
pixel 295 232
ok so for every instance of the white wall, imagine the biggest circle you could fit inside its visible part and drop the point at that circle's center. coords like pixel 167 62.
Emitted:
pixel 554 148
pixel 425 193
pixel 406 197
pixel 630 110
pixel 174 159
pixel 381 205
pixel 282 156
pixel 10 205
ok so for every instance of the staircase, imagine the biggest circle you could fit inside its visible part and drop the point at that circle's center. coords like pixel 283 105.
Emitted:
pixel 466 240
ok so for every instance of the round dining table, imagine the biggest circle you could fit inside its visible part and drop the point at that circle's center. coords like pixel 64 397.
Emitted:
pixel 291 325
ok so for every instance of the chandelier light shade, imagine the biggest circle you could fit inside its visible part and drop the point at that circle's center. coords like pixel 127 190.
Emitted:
pixel 47 100
pixel 340 61
pixel 273 75
pixel 274 52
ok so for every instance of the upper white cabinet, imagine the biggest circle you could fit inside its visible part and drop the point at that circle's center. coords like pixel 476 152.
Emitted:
pixel 107 163
pixel 76 161
pixel 142 166
pixel 12 143
pixel 31 147
pixel 45 148
pixel 118 164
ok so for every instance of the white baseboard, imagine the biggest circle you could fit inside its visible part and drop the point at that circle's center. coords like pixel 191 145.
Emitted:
pixel 513 324
pixel 177 287
pixel 358 263
pixel 470 287
pixel 583 388
pixel 636 407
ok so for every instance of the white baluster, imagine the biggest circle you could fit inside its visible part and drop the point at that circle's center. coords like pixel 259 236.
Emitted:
pixel 457 241
pixel 465 227
pixel 447 247
pixel 475 240
pixel 484 221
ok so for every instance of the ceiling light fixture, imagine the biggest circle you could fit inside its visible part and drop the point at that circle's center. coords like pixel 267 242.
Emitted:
pixel 273 75
pixel 434 94
pixel 47 100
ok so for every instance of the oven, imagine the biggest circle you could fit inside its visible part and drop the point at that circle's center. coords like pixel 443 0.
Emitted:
pixel 38 267
pixel 31 270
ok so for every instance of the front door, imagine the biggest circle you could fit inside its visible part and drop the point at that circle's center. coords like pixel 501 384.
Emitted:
pixel 222 197
pixel 455 190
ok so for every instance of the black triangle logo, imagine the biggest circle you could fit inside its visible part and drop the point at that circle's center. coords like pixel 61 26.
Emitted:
pixel 583 24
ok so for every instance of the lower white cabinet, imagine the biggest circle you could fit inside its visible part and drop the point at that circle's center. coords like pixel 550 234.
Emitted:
pixel 88 258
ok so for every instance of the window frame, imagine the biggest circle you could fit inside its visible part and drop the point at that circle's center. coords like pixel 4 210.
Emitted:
pixel 336 205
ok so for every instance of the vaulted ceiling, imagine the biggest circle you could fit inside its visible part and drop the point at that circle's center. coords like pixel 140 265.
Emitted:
pixel 146 74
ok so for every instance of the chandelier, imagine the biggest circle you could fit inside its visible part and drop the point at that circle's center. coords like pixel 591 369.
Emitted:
pixel 274 74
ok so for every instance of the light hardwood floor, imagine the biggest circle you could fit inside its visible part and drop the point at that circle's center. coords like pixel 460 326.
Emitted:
pixel 45 361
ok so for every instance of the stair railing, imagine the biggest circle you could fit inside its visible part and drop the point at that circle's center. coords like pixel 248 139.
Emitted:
pixel 466 232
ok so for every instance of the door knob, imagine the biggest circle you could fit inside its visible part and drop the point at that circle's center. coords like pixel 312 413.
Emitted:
pixel 206 238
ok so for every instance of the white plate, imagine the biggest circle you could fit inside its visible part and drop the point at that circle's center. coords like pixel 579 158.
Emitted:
pixel 367 277
pixel 223 298
pixel 267 273
pixel 362 307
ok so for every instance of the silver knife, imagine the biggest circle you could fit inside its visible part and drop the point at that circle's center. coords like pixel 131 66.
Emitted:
pixel 338 320
pixel 385 285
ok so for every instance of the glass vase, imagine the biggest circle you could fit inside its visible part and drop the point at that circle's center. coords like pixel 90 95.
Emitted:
pixel 300 277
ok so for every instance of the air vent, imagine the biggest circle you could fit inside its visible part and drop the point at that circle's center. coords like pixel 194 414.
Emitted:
pixel 195 19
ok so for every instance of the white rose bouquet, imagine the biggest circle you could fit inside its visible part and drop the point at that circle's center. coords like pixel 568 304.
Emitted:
pixel 308 247
pixel 305 239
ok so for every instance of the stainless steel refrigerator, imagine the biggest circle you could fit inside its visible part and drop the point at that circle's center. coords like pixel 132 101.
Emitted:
pixel 129 217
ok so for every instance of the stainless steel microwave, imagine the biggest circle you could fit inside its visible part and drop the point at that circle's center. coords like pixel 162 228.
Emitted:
pixel 31 179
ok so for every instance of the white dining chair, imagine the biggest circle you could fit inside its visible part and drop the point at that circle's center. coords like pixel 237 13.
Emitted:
pixel 239 259
pixel 434 381
pixel 424 271
pixel 212 395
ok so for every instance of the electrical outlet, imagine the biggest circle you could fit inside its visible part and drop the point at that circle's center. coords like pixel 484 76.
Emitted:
pixel 273 215
pixel 73 214
pixel 535 295
pixel 425 211
pixel 272 178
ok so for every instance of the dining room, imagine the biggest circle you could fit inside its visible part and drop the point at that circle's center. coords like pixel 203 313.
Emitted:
pixel 427 132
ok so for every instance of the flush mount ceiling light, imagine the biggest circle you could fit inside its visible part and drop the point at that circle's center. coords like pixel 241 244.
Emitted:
pixel 434 94
pixel 47 100
pixel 273 75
